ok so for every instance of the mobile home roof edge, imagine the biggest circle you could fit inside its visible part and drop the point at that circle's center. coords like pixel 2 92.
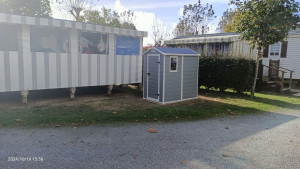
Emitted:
pixel 27 20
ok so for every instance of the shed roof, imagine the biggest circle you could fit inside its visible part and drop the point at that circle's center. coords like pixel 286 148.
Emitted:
pixel 180 51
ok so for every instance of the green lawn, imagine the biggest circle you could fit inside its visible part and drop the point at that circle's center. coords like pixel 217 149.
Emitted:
pixel 122 110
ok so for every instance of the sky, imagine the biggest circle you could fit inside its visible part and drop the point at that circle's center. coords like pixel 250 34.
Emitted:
pixel 146 12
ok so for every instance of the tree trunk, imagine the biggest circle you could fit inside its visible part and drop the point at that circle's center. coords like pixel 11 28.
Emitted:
pixel 256 71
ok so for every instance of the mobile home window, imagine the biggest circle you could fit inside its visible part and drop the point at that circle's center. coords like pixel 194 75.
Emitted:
pixel 275 49
pixel 9 37
pixel 173 63
pixel 93 43
pixel 49 40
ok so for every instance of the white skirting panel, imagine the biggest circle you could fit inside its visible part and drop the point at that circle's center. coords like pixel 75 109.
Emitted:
pixel 133 70
pixel 140 69
pixel 14 70
pixel 94 73
pixel 40 70
pixel 126 69
pixel 119 69
pixel 2 73
pixel 102 69
pixel 64 70
pixel 84 70
pixel 52 71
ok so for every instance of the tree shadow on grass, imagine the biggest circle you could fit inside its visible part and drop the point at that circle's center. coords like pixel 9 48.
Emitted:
pixel 259 99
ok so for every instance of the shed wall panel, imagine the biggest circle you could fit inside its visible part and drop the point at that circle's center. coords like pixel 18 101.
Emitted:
pixel 190 73
pixel 172 81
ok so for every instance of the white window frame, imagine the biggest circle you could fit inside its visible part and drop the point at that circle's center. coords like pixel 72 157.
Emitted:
pixel 280 45
pixel 176 63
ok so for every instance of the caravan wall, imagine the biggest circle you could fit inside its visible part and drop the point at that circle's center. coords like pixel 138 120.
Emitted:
pixel 39 53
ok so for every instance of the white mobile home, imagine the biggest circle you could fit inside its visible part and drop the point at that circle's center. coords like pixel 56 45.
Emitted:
pixel 286 53
pixel 42 53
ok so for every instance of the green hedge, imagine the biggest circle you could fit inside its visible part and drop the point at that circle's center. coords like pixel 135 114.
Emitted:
pixel 223 72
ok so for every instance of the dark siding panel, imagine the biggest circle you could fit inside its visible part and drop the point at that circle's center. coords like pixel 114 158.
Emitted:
pixel 284 49
pixel 266 52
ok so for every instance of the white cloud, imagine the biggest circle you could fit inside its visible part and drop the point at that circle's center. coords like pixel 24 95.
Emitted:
pixel 143 21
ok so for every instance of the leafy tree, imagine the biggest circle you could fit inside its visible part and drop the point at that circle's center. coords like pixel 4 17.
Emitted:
pixel 195 19
pixel 40 8
pixel 228 21
pixel 108 17
pixel 75 8
pixel 160 32
pixel 264 22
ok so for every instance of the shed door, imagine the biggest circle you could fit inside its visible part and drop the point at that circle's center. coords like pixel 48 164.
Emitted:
pixel 153 77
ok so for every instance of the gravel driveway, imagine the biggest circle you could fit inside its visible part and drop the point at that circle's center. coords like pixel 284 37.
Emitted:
pixel 270 140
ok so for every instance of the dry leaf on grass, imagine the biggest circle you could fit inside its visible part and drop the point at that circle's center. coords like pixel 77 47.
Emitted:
pixel 17 120
pixel 151 130
pixel 231 117
pixel 226 127
pixel 115 113
pixel 155 119
pixel 134 157
pixel 57 125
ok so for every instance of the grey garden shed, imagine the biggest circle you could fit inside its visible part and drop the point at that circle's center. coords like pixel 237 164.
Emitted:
pixel 170 74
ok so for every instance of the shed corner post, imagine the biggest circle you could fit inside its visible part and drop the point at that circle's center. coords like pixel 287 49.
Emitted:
pixel 24 94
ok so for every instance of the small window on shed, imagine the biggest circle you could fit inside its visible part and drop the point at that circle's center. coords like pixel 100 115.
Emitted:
pixel 173 63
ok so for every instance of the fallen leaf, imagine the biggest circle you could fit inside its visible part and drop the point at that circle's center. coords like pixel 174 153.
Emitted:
pixel 183 161
pixel 145 116
pixel 155 119
pixel 123 154
pixel 57 125
pixel 18 120
pixel 231 117
pixel 225 155
pixel 151 130
pixel 73 141
pixel 226 127
pixel 134 157
pixel 228 110
pixel 232 113
pixel 115 113
pixel 176 117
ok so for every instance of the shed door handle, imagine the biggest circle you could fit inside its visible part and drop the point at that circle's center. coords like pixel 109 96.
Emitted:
pixel 148 74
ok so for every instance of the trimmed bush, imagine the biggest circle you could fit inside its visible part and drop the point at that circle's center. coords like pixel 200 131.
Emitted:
pixel 225 72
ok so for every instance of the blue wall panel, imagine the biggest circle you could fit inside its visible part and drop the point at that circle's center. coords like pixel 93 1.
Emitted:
pixel 127 45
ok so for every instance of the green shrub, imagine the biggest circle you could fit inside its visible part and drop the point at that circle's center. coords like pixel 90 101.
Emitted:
pixel 225 72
